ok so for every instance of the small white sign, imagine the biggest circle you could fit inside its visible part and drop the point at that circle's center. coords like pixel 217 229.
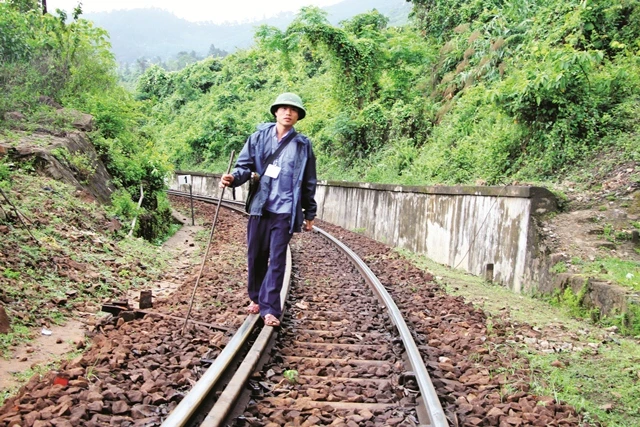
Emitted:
pixel 272 171
pixel 184 179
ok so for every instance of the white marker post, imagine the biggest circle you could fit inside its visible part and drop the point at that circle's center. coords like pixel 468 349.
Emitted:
pixel 186 180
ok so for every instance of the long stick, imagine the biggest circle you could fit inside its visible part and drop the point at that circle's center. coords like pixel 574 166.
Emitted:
pixel 133 223
pixel 213 227
pixel 19 215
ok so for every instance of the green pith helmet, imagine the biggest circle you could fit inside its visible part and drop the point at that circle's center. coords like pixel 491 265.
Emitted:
pixel 292 99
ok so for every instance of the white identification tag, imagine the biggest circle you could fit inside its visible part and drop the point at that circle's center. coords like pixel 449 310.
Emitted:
pixel 272 171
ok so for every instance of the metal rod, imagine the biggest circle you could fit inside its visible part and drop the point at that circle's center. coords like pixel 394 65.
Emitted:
pixel 213 227
pixel 193 221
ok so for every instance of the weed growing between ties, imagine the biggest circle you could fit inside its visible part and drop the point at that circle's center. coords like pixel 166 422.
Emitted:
pixel 64 258
pixel 291 375
pixel 589 367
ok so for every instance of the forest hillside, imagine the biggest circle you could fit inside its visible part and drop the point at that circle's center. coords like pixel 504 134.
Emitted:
pixel 532 92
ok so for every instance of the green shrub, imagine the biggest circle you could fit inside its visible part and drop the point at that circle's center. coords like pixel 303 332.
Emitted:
pixel 5 172
pixel 122 206
pixel 45 55
pixel 560 267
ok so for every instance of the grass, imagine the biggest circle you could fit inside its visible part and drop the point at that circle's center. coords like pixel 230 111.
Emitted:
pixel 602 380
pixel 39 369
pixel 71 262
pixel 18 335
pixel 622 272
pixel 173 229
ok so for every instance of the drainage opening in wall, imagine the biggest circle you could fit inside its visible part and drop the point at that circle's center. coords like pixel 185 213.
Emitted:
pixel 488 273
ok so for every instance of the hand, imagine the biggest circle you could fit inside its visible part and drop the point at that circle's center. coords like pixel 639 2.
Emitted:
pixel 226 180
pixel 308 224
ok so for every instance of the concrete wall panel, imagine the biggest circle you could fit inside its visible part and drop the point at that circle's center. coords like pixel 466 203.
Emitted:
pixel 463 227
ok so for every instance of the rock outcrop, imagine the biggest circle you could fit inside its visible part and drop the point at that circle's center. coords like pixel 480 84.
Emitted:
pixel 70 158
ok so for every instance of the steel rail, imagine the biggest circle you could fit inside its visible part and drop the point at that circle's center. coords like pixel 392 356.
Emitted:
pixel 208 199
pixel 229 396
pixel 190 405
pixel 428 392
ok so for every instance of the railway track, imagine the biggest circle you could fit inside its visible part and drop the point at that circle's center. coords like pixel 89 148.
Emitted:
pixel 343 354
pixel 336 360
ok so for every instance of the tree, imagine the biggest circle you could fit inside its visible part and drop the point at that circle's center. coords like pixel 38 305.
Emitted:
pixel 142 64
pixel 217 53
pixel 355 50
pixel 24 5
pixel 438 18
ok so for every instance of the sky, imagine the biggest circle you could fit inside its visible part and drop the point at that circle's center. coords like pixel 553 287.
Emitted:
pixel 217 11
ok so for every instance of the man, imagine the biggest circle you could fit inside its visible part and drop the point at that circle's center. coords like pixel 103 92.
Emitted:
pixel 283 201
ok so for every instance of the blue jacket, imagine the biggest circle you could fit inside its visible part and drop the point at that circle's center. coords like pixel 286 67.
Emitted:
pixel 252 158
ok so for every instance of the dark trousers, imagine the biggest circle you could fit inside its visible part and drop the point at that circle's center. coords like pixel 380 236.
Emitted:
pixel 267 240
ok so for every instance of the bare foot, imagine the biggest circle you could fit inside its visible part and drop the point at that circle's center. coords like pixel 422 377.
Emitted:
pixel 253 308
pixel 271 320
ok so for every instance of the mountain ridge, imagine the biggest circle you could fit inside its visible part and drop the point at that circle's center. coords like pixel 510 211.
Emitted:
pixel 158 33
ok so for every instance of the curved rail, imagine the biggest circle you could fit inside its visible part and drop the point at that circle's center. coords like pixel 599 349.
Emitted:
pixel 226 400
pixel 428 392
pixel 239 206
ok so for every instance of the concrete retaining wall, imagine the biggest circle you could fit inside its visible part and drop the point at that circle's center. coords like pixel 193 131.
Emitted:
pixel 486 231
